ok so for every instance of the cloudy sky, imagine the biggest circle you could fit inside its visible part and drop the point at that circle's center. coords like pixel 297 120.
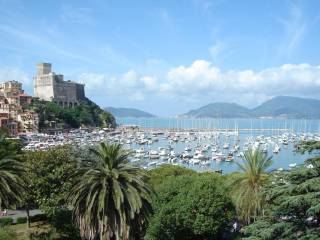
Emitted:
pixel 167 57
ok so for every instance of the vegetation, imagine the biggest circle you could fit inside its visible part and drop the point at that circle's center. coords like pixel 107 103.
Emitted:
pixel 191 207
pixel 246 190
pixel 161 174
pixel 87 114
pixel 111 198
pixel 11 170
pixel 49 178
pixel 292 208
pixel 97 194
pixel 7 233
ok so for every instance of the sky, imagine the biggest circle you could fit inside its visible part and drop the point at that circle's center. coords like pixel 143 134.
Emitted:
pixel 167 57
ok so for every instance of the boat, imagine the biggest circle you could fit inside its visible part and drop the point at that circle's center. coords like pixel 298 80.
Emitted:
pixel 225 146
pixel 276 149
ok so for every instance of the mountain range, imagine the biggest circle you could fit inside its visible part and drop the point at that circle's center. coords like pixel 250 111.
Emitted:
pixel 277 107
pixel 128 112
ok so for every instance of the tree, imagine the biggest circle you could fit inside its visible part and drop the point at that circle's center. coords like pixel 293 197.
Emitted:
pixel 191 207
pixel 11 170
pixel 160 174
pixel 87 113
pixel 246 188
pixel 292 208
pixel 110 197
pixel 49 178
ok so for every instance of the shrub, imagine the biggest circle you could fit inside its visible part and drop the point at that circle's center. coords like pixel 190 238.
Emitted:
pixel 21 220
pixel 62 222
pixel 191 207
pixel 5 221
pixel 38 217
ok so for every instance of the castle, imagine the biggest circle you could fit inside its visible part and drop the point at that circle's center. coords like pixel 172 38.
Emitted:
pixel 49 86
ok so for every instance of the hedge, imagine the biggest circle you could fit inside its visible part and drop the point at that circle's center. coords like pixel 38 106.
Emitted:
pixel 38 217
pixel 21 220
pixel 6 221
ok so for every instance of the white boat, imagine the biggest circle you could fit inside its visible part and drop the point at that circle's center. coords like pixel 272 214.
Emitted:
pixel 276 149
pixel 153 154
pixel 152 164
pixel 292 165
pixel 195 161
pixel 225 145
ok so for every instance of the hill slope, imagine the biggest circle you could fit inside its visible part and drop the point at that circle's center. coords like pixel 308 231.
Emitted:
pixel 220 110
pixel 128 112
pixel 289 107
pixel 277 107
pixel 86 114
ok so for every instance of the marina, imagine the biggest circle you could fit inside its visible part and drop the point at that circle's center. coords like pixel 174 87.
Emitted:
pixel 202 149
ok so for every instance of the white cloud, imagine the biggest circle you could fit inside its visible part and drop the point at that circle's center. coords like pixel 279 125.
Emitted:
pixel 202 81
pixel 130 85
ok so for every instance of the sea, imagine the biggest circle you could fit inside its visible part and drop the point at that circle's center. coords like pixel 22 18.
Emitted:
pixel 247 128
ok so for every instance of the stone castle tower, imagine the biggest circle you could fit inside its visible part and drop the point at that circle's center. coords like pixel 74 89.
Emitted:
pixel 49 86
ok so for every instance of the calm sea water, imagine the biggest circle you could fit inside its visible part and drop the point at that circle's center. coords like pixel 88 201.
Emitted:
pixel 247 127
pixel 297 125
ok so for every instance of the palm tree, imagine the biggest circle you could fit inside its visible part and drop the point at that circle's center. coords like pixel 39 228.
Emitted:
pixel 111 198
pixel 11 170
pixel 247 186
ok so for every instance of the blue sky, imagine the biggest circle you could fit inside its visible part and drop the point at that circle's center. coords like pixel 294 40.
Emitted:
pixel 167 57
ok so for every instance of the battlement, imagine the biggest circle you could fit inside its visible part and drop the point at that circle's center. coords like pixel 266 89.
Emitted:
pixel 49 86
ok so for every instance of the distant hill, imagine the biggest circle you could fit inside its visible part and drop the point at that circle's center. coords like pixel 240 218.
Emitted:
pixel 289 107
pixel 277 107
pixel 220 110
pixel 128 112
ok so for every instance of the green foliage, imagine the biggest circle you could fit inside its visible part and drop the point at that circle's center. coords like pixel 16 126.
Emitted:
pixel 21 220
pixel 160 174
pixel 292 204
pixel 62 222
pixel 308 146
pixel 86 114
pixel 246 187
pixel 7 233
pixel 111 198
pixel 39 217
pixel 11 170
pixel 48 175
pixel 5 221
pixel 191 207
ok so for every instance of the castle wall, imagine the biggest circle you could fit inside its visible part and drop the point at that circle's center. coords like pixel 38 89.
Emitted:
pixel 65 92
pixel 43 87
pixel 51 87
pixel 80 91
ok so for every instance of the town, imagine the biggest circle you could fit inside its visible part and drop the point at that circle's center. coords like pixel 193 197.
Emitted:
pixel 15 113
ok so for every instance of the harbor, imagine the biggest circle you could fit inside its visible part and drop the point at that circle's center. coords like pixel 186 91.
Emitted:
pixel 199 149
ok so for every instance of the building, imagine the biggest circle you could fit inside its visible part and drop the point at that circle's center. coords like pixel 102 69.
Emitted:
pixel 10 124
pixel 49 86
pixel 4 105
pixel 12 91
pixel 14 114
pixel 28 122
pixel 10 88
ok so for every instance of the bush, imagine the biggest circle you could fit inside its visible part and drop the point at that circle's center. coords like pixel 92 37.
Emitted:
pixel 21 220
pixel 191 207
pixel 62 222
pixel 5 221
pixel 6 234
pixel 38 217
